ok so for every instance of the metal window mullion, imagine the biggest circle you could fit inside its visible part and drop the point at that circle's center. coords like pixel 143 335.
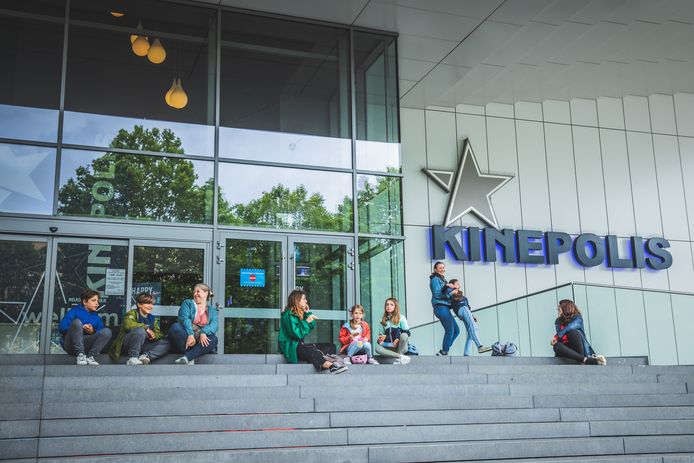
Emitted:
pixel 355 191
pixel 61 109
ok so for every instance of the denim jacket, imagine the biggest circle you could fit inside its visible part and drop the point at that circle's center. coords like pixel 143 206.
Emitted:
pixel 438 297
pixel 574 325
pixel 186 315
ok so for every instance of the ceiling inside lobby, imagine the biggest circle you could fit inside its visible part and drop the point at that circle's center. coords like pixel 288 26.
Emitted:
pixel 480 51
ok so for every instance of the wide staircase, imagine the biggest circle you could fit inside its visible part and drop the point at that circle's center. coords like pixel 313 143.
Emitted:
pixel 256 408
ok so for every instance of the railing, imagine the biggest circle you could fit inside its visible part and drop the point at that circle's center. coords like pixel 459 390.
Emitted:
pixel 619 321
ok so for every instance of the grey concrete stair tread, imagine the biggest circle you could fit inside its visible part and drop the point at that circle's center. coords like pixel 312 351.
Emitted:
pixel 18 448
pixel 177 408
pixel 664 444
pixel 20 411
pixel 152 382
pixel 19 429
pixel 644 458
pixel 641 428
pixel 613 400
pixel 423 403
pixel 626 413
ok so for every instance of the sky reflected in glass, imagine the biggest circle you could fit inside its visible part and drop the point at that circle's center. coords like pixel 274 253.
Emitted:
pixel 27 177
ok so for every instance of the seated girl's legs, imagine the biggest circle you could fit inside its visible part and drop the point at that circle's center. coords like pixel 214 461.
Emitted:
pixel 573 349
pixel 402 345
pixel 368 349
pixel 177 337
pixel 450 327
pixel 311 354
pixel 198 349
pixel 385 352
pixel 354 347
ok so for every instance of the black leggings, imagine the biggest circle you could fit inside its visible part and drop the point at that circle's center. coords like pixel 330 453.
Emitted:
pixel 313 353
pixel 573 349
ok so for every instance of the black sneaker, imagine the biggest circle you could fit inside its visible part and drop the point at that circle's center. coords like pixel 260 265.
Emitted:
pixel 591 361
pixel 337 368
pixel 442 352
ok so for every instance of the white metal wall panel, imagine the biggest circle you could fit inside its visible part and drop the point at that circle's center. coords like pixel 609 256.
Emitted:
pixel 687 159
pixel 684 112
pixel 630 277
pixel 568 270
pixel 480 283
pixel 418 252
pixel 636 116
pixel 441 154
pixel 644 185
pixel 671 192
pixel 662 114
pixel 528 111
pixel 620 206
pixel 584 112
pixel 661 335
pixel 610 113
pixel 632 319
pixel 681 274
pixel 604 334
pixel 499 110
pixel 589 177
pixel 682 311
pixel 415 194
pixel 532 174
pixel 563 196
pixel 556 111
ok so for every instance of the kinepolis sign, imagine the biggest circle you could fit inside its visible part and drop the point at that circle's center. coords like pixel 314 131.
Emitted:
pixel 470 192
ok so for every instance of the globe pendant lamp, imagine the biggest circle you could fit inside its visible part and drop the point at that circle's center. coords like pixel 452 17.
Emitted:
pixel 167 96
pixel 156 53
pixel 141 46
pixel 178 98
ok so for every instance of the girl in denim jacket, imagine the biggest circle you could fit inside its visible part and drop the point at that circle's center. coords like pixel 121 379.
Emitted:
pixel 570 340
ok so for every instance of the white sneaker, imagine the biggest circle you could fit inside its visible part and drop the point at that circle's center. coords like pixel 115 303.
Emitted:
pixel 144 359
pixel 184 361
pixel 91 361
pixel 81 359
pixel 600 358
pixel 347 361
pixel 133 361
pixel 404 360
pixel 372 361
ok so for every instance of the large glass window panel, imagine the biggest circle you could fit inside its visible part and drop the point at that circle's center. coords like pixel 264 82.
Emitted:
pixel 31 34
pixel 379 202
pixel 284 76
pixel 137 187
pixel 109 87
pixel 27 179
pixel 276 197
pixel 99 266
pixel 259 335
pixel 381 275
pixel 320 269
pixel 253 274
pixel 377 102
pixel 168 273
pixel 22 272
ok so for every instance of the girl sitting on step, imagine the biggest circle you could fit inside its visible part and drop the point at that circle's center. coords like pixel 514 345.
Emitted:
pixel 355 336
pixel 393 333
pixel 570 340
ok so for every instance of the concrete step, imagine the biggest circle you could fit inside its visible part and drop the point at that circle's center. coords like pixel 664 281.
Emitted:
pixel 642 428
pixel 153 382
pixel 614 400
pixel 626 413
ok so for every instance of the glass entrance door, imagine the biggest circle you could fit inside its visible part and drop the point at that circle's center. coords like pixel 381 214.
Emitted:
pixel 258 271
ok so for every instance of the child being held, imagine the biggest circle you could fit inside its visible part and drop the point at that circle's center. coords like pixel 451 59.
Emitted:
pixel 355 335
pixel 461 307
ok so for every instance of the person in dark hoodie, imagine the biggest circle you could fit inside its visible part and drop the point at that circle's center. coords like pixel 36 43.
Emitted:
pixel 83 333
pixel 441 302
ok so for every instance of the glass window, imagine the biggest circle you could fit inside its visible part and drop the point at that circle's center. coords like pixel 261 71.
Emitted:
pixel 31 34
pixel 259 335
pixel 109 87
pixel 169 274
pixel 284 76
pixel 99 266
pixel 22 272
pixel 131 186
pixel 380 209
pixel 253 274
pixel 276 197
pixel 381 275
pixel 27 178
pixel 320 269
pixel 377 102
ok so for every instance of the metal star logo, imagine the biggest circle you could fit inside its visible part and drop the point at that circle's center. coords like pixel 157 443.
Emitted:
pixel 470 190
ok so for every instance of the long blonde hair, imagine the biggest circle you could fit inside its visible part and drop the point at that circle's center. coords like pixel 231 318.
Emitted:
pixel 395 318
pixel 294 301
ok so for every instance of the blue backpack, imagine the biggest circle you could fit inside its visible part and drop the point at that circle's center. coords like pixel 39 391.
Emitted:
pixel 504 349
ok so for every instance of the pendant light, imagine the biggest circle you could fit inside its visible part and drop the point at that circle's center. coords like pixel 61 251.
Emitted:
pixel 134 37
pixel 141 46
pixel 156 53
pixel 117 14
pixel 178 97
pixel 167 96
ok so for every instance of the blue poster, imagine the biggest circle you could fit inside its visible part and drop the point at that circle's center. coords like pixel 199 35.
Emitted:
pixel 253 277
pixel 152 288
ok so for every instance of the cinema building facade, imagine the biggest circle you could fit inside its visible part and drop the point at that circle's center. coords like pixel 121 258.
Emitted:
pixel 342 148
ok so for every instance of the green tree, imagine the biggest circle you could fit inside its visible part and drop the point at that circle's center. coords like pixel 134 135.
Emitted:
pixel 139 186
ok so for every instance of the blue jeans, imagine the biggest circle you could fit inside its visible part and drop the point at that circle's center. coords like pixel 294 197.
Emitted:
pixel 450 327
pixel 355 347
pixel 178 337
pixel 471 328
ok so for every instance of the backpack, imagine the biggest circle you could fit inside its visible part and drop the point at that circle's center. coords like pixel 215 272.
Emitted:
pixel 411 349
pixel 359 359
pixel 504 349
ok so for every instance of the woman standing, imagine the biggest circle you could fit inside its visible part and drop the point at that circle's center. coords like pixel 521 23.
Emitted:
pixel 296 322
pixel 441 303
pixel 195 332
pixel 570 340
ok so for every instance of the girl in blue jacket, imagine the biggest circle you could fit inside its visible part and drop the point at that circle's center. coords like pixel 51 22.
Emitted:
pixel 570 340
pixel 441 302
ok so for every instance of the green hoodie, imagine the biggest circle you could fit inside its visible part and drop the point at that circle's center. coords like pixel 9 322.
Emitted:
pixel 293 330
pixel 130 322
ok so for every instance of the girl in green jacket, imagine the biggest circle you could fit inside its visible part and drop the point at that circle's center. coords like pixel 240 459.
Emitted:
pixel 295 323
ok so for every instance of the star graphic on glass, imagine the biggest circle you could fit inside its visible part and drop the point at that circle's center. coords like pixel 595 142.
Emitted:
pixel 15 173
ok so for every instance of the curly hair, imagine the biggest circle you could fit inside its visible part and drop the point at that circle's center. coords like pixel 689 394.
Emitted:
pixel 568 310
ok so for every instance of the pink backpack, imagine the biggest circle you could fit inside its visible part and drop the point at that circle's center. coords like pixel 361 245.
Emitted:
pixel 359 359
